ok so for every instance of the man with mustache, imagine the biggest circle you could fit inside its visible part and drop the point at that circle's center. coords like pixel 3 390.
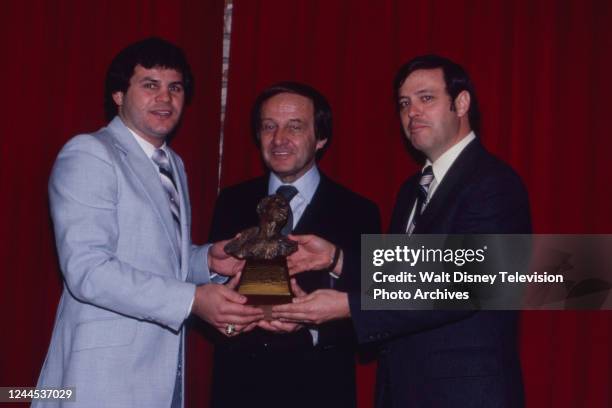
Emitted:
pixel 436 358
pixel 120 208
pixel 284 364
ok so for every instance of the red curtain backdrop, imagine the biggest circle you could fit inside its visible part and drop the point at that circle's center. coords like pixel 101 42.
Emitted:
pixel 539 67
pixel 541 70
pixel 54 58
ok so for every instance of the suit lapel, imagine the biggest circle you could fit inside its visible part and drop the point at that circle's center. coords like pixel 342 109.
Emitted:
pixel 143 171
pixel 313 219
pixel 446 192
pixel 407 209
pixel 183 192
pixel 307 215
pixel 313 211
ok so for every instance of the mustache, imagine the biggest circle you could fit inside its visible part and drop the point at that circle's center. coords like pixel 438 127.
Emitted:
pixel 417 122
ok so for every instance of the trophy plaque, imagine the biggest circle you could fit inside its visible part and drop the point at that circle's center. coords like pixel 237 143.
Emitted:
pixel 265 277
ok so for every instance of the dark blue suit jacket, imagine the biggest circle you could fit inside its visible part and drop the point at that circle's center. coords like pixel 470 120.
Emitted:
pixel 452 358
pixel 260 368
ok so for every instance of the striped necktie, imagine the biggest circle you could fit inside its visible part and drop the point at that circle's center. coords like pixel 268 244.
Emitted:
pixel 426 178
pixel 288 192
pixel 165 172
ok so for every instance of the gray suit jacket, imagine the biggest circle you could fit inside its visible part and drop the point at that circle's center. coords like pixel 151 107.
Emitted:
pixel 126 292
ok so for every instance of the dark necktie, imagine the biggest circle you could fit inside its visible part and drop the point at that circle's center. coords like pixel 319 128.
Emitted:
pixel 288 192
pixel 426 178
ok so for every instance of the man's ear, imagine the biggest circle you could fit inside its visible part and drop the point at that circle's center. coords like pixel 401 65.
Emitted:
pixel 321 143
pixel 118 98
pixel 462 103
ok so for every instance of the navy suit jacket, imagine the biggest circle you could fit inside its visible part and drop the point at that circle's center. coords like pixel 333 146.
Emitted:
pixel 452 358
pixel 255 360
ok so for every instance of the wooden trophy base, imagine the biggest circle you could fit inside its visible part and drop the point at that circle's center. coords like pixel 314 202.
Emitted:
pixel 265 283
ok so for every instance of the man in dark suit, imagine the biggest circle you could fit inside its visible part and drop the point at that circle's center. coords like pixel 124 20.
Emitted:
pixel 437 358
pixel 284 364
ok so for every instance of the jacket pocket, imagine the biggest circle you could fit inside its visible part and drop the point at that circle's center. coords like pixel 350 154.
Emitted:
pixel 103 333
pixel 463 362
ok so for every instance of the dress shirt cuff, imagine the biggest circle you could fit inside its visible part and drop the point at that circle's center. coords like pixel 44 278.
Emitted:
pixel 191 305
pixel 214 277
pixel 315 336
pixel 220 279
pixel 333 280
pixel 199 273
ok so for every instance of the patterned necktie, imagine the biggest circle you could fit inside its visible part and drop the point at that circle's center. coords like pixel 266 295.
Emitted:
pixel 288 192
pixel 165 171
pixel 426 178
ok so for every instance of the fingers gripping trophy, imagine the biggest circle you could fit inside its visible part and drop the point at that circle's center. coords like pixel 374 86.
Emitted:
pixel 265 277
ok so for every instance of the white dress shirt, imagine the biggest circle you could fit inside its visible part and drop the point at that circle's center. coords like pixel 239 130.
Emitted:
pixel 149 149
pixel 306 187
pixel 440 168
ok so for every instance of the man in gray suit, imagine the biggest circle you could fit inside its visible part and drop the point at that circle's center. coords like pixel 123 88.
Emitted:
pixel 121 214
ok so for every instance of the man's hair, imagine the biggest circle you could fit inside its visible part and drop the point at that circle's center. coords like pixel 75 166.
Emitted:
pixel 149 53
pixel 322 110
pixel 455 77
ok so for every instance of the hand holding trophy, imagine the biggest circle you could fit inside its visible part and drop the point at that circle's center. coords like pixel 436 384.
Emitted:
pixel 265 277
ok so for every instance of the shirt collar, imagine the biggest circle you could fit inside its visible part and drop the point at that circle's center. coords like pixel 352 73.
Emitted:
pixel 440 167
pixel 306 185
pixel 147 147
